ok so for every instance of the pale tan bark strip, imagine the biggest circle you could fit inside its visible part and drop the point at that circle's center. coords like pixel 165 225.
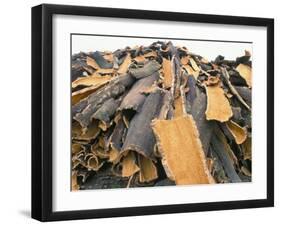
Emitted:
pixel 218 107
pixel 182 154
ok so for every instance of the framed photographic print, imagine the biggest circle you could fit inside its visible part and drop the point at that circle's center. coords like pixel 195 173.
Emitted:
pixel 146 112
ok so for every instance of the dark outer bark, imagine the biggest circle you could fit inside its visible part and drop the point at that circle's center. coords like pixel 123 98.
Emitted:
pixel 218 170
pixel 95 100
pixel 107 110
pixel 77 108
pixel 191 94
pixel 100 60
pixel 134 99
pixel 117 135
pixel 165 182
pixel 148 69
pixel 140 136
pixel 218 148
pixel 104 179
pixel 205 127
pixel 245 93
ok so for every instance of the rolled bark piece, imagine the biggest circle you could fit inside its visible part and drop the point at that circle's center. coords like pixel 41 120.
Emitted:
pixel 182 156
pixel 95 100
pixel 107 110
pixel 218 106
pixel 102 63
pixel 148 171
pixel 129 166
pixel 218 146
pixel 205 127
pixel 148 69
pixel 140 137
pixel 246 72
pixel 90 133
pixel 239 133
pixel 93 162
pixel 135 98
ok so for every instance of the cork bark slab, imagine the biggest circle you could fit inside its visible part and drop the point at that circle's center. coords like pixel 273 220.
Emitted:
pixel 239 133
pixel 246 72
pixel 218 107
pixel 182 154
pixel 167 71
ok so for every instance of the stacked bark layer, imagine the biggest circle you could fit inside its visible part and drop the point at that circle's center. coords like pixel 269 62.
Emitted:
pixel 159 115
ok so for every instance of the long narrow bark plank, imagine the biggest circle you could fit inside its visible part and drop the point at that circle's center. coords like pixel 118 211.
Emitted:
pixel 102 63
pixel 219 147
pixel 182 154
pixel 107 110
pixel 167 71
pixel 135 98
pixel 91 80
pixel 140 137
pixel 95 100
pixel 205 127
pixel 148 69
pixel 218 107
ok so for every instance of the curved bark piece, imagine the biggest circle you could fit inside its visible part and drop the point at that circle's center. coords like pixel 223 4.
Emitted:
pixel 148 69
pixel 167 71
pixel 246 72
pixel 148 171
pixel 85 92
pixel 135 98
pixel 105 113
pixel 182 154
pixel 239 133
pixel 89 134
pixel 91 62
pixel 140 137
pixel 123 68
pixel 129 166
pixel 95 100
pixel 102 63
pixel 205 127
pixel 218 146
pixel 91 81
pixel 218 107
pixel 93 162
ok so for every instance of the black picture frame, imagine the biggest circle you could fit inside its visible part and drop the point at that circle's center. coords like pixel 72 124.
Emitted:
pixel 42 197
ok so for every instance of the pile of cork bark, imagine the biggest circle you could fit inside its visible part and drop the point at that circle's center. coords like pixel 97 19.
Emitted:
pixel 159 115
